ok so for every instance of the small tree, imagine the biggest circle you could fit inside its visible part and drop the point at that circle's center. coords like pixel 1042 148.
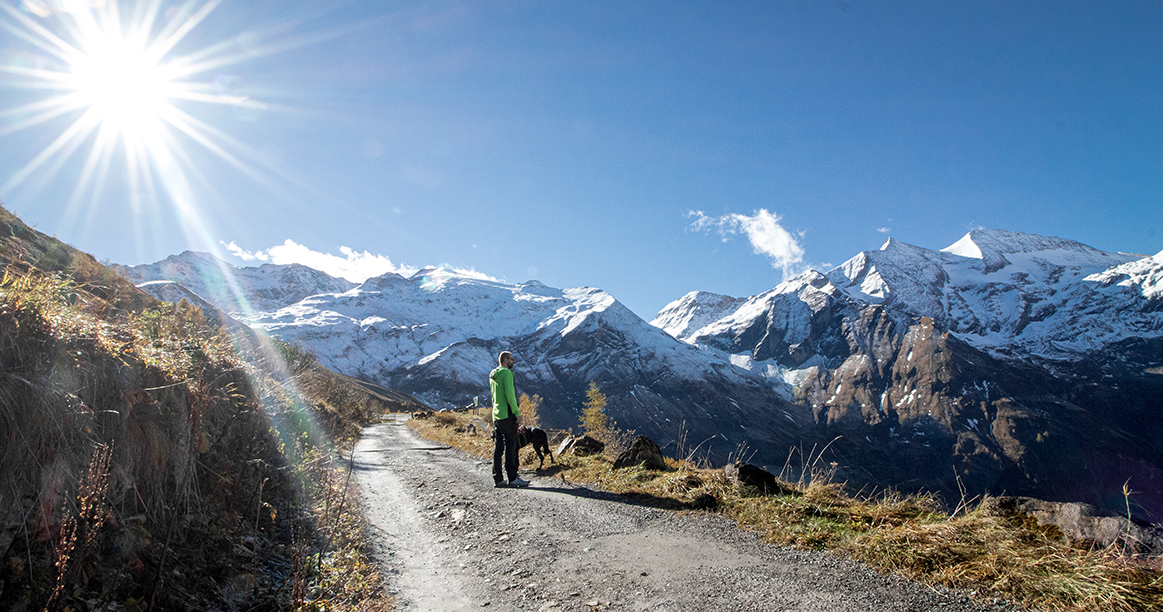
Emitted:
pixel 594 421
pixel 528 407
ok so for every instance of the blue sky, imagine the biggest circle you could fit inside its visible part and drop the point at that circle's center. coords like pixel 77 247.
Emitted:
pixel 572 141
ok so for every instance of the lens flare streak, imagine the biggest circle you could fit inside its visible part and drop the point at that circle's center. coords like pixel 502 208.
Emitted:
pixel 120 77
pixel 123 85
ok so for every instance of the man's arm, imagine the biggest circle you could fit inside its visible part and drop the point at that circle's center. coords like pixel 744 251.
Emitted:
pixel 511 396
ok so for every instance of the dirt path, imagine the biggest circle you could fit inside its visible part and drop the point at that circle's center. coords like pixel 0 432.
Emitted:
pixel 450 541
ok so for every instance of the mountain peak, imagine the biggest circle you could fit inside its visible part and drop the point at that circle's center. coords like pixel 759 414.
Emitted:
pixel 992 246
pixel 985 243
pixel 686 315
pixel 891 243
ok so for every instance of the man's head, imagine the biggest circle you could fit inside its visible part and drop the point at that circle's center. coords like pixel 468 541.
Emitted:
pixel 506 359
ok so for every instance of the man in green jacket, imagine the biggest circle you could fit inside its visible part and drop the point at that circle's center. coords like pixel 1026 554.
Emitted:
pixel 506 420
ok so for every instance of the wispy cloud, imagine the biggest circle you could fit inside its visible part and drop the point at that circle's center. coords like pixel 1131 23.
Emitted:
pixel 763 230
pixel 349 264
pixel 884 230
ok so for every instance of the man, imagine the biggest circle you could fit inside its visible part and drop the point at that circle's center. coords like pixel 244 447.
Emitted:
pixel 506 420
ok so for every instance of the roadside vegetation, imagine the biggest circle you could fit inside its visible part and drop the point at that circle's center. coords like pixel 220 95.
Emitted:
pixel 154 461
pixel 969 548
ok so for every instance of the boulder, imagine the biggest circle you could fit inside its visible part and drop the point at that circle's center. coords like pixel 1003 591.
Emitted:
pixel 642 451
pixel 745 474
pixel 581 446
pixel 1082 523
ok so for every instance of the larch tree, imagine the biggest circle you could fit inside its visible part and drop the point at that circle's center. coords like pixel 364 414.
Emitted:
pixel 594 421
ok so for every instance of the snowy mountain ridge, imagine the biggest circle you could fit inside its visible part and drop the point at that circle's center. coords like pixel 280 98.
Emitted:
pixel 447 323
pixel 237 290
pixel 1009 293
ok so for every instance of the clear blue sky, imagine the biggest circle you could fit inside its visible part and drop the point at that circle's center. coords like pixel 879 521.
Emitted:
pixel 570 141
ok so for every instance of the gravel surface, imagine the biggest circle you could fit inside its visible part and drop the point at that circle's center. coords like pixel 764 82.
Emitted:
pixel 448 540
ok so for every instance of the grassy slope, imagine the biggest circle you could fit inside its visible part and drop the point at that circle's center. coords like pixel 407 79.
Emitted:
pixel 971 549
pixel 152 461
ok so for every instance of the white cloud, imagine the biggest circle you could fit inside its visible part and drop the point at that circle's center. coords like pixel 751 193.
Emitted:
pixel 884 230
pixel 763 230
pixel 350 264
pixel 238 252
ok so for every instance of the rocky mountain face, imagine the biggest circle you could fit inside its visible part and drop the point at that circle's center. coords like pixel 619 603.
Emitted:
pixel 1006 363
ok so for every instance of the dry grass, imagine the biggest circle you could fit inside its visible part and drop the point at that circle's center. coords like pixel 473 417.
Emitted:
pixel 911 535
pixel 147 446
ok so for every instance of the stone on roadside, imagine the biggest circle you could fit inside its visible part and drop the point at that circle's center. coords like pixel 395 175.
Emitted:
pixel 745 474
pixel 642 451
pixel 581 446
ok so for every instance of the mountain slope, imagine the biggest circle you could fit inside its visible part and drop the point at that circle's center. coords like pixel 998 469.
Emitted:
pixel 136 437
pixel 237 289
pixel 1005 362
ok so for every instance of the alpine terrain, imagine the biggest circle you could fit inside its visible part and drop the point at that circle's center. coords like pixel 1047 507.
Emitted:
pixel 1006 362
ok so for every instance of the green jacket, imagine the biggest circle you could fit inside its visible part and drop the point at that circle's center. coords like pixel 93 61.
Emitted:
pixel 504 394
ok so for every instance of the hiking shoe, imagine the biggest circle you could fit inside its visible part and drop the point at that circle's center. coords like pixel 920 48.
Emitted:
pixel 518 482
pixel 500 484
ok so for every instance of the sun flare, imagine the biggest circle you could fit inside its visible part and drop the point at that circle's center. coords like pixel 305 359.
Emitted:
pixel 124 87
pixel 119 80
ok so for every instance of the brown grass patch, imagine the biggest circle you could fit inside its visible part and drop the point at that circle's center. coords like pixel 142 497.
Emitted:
pixel 909 535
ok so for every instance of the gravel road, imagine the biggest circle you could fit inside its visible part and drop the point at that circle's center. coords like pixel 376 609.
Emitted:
pixel 449 541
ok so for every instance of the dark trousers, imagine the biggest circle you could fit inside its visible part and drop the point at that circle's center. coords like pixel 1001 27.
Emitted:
pixel 505 444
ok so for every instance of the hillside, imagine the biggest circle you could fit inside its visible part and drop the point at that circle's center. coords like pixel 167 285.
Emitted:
pixel 153 460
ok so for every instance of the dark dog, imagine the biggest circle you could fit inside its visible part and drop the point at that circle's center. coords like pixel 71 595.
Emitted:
pixel 540 442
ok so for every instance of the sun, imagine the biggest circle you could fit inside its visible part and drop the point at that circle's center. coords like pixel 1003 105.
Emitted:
pixel 110 72
pixel 122 84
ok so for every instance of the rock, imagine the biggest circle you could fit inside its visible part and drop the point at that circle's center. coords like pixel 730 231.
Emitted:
pixel 1081 522
pixel 482 427
pixel 642 451
pixel 705 501
pixel 581 446
pixel 470 429
pixel 745 474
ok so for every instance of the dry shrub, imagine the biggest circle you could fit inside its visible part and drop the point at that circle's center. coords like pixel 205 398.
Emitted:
pixel 444 419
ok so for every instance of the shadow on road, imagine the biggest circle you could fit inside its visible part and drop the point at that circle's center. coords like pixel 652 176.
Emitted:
pixel 634 499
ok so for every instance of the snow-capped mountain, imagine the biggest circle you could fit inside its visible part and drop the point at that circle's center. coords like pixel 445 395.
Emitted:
pixel 1008 293
pixel 234 289
pixel 437 334
pixel 1005 361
